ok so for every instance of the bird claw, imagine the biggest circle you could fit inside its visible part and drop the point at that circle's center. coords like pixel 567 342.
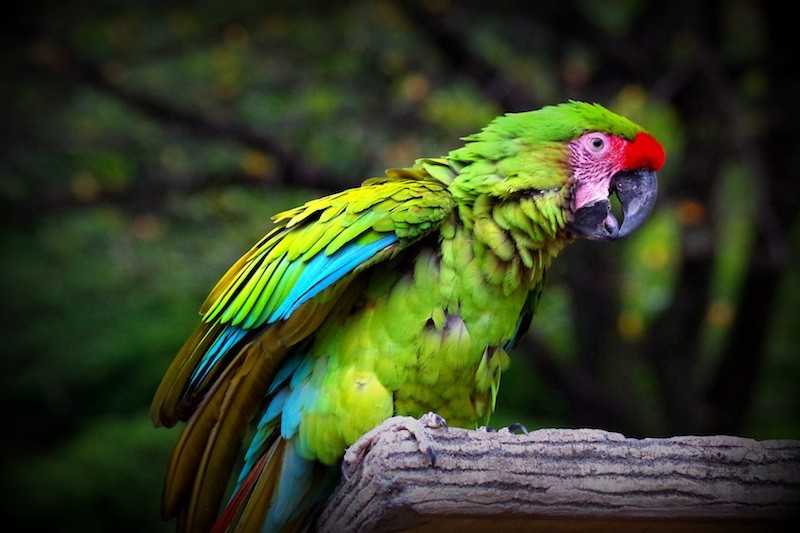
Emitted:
pixel 429 420
pixel 516 429
pixel 416 427
pixel 432 420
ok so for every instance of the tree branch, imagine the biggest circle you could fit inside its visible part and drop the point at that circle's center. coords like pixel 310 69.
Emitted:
pixel 292 169
pixel 561 480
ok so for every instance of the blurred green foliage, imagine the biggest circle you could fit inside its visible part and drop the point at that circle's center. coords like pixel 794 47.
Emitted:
pixel 146 146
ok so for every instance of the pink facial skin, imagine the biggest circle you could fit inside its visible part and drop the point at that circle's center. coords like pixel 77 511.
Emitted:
pixel 595 158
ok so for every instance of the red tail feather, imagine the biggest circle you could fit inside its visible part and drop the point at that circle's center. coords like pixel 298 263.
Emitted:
pixel 240 497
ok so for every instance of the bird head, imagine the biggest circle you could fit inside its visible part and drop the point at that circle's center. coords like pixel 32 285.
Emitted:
pixel 581 153
pixel 602 164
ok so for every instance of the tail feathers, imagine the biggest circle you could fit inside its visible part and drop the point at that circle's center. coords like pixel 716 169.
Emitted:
pixel 233 512
pixel 190 449
pixel 294 484
pixel 211 441
pixel 280 493
pixel 205 455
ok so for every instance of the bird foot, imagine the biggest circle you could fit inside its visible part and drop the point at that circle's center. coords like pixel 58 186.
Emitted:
pixel 416 427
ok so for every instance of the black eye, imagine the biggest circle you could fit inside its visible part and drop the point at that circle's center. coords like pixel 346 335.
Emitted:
pixel 596 144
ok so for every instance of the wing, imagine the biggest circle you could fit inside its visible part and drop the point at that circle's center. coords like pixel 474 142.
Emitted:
pixel 312 248
pixel 275 296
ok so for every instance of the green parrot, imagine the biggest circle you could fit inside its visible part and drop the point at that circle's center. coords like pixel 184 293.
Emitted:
pixel 399 297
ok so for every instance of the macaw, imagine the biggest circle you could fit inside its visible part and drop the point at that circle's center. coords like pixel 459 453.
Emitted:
pixel 402 296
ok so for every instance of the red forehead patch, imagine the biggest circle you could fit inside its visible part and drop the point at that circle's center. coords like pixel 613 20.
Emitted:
pixel 645 152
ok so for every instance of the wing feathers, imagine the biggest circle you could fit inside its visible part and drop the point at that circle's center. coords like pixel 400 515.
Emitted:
pixel 273 297
pixel 323 271
pixel 209 444
pixel 245 489
pixel 263 285
pixel 171 403
pixel 241 399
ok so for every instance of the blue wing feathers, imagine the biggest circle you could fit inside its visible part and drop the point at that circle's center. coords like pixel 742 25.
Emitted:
pixel 303 392
pixel 248 311
pixel 223 344
pixel 323 271
pixel 289 377
pixel 263 432
pixel 285 372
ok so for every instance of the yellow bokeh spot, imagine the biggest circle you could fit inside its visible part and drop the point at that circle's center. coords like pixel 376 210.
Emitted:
pixel 720 313
pixel 655 255
pixel 630 325
pixel 398 153
pixel 631 99
pixel 415 87
pixel 258 165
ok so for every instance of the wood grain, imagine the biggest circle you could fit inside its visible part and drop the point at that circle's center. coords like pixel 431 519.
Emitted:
pixel 562 480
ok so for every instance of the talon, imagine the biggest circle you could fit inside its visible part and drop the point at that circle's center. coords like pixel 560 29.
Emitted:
pixel 517 428
pixel 429 420
pixel 432 455
pixel 432 420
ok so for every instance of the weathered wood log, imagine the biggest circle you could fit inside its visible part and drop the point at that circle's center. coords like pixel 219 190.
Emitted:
pixel 562 480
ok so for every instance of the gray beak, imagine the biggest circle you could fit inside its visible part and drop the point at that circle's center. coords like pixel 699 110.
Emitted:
pixel 637 191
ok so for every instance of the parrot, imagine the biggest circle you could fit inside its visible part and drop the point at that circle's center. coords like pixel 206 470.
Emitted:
pixel 401 296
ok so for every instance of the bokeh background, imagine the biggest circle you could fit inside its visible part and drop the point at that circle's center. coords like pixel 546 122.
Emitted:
pixel 146 144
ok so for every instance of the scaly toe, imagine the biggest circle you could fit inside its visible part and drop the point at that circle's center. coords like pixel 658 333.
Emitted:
pixel 432 420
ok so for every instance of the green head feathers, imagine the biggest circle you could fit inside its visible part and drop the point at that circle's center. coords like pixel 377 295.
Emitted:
pixel 524 151
pixel 557 123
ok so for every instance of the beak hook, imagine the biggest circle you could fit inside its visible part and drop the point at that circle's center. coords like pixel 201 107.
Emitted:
pixel 637 192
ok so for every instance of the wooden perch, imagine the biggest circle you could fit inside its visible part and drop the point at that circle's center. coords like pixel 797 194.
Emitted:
pixel 562 480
